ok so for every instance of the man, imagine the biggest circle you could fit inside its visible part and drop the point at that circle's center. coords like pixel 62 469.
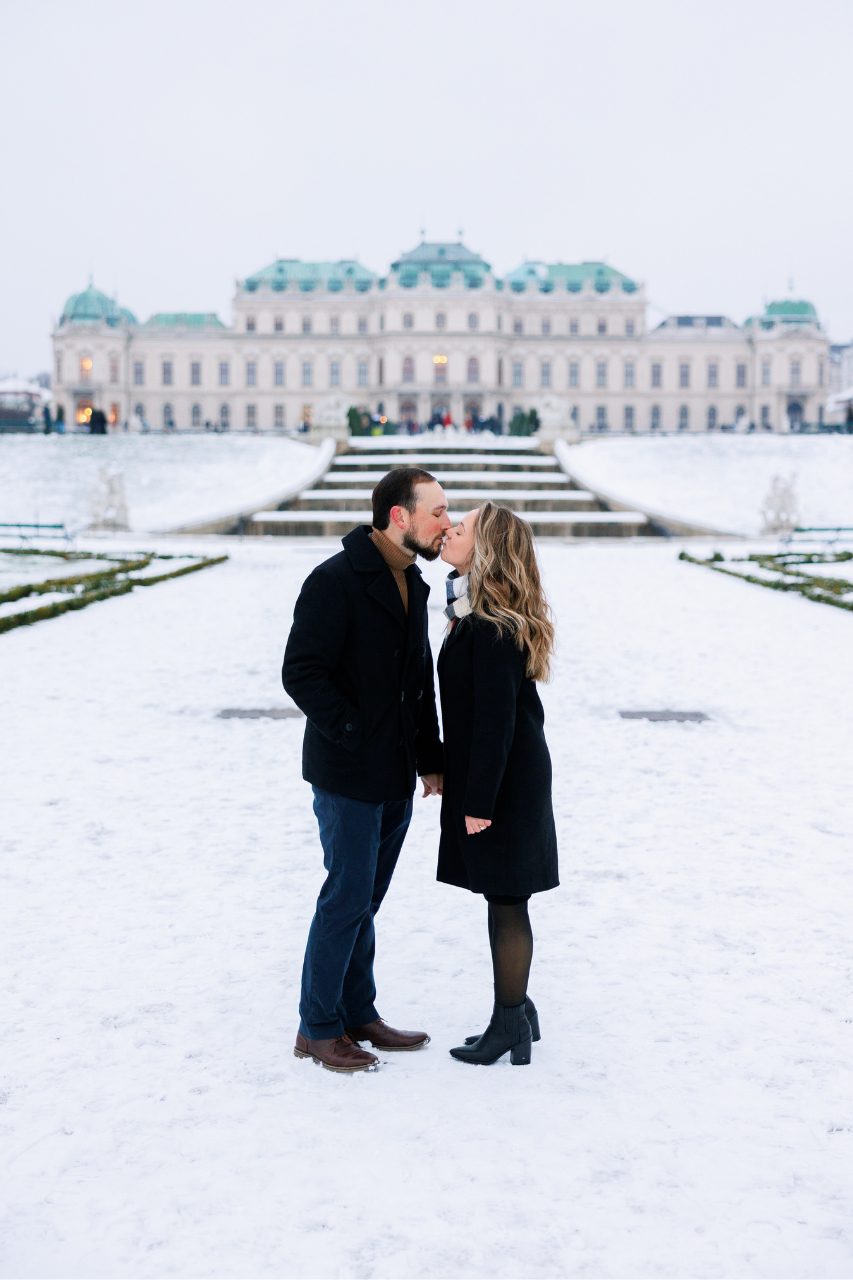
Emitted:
pixel 358 663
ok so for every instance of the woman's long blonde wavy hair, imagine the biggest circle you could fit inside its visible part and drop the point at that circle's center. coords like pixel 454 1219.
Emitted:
pixel 504 585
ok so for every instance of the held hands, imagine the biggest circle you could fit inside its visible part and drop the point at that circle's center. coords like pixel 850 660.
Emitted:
pixel 475 825
pixel 433 784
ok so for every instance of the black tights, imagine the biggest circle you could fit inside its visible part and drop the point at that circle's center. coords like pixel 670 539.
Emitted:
pixel 511 941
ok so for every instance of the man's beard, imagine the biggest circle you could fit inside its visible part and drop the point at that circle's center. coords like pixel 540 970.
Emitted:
pixel 428 552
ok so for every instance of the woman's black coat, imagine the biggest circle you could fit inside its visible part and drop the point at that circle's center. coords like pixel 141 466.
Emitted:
pixel 497 766
pixel 361 670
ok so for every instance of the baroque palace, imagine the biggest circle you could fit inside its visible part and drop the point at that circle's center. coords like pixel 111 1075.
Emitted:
pixel 440 334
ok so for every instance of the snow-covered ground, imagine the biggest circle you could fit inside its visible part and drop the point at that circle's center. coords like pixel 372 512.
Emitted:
pixel 168 480
pixel 687 1111
pixel 721 481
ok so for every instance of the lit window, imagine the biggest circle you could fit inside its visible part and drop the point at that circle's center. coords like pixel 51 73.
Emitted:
pixel 473 369
pixel 440 370
pixel 167 373
pixel 278 373
pixel 251 373
pixel 85 368
pixel 195 373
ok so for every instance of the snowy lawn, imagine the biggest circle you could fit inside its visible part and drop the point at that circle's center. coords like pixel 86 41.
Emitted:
pixel 169 480
pixel 687 1111
pixel 722 480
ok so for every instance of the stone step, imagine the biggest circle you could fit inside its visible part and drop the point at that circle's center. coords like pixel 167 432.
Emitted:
pixel 452 443
pixel 453 479
pixel 519 499
pixel 454 461
pixel 552 524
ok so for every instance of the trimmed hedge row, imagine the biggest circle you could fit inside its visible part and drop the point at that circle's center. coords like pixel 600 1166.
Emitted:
pixel 809 586
pixel 101 585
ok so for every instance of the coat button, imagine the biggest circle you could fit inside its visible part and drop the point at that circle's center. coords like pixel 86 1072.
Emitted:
pixel 348 728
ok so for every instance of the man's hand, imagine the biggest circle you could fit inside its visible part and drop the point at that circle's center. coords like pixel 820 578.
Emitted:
pixel 475 825
pixel 433 784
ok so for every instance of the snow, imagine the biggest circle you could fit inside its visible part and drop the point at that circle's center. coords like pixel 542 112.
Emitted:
pixel 687 1111
pixel 721 481
pixel 169 480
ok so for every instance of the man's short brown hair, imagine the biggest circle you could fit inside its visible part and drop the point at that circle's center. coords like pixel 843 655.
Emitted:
pixel 397 489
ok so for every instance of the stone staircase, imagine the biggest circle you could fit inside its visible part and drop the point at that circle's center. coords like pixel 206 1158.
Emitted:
pixel 515 472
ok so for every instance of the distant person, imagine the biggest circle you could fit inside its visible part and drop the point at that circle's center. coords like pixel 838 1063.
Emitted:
pixel 98 423
pixel 498 836
pixel 60 420
pixel 47 419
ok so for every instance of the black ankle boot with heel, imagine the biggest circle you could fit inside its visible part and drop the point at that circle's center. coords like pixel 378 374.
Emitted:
pixel 508 1032
pixel 532 1018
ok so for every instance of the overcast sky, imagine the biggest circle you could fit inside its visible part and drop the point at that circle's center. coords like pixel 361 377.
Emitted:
pixel 167 148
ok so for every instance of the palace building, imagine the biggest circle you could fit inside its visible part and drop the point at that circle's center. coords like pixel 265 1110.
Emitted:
pixel 440 334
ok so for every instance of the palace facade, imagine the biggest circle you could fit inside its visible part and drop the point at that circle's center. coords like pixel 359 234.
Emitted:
pixel 440 334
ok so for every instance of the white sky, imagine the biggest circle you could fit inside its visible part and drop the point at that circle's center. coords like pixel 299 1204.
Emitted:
pixel 170 147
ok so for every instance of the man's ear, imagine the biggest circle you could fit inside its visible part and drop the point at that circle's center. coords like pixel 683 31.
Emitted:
pixel 396 515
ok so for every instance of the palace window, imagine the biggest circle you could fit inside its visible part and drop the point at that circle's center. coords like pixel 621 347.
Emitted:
pixel 167 373
pixel 765 417
pixel 473 369
pixel 628 417
pixel 600 417
pixel 251 373
pixel 224 416
pixel 278 373
pixel 796 373
pixel 85 368
pixel 765 373
pixel 629 328
pixel 630 374
pixel 250 324
pixel 740 375
pixel 362 373
pixel 473 321
pixel 362 324
pixel 307 373
pixel 114 368
pixel 408 369
pixel 518 325
pixel 601 373
pixel 306 324
pixel 684 375
pixel 334 324
pixel 574 373
pixel 138 373
pixel 713 376
pixel 602 325
pixel 139 412
pixel 517 373
pixel 657 375
pixel 195 373
pixel 382 322
pixel 712 417
pixel 500 371
pixel 439 364
pixel 335 373
pixel 224 373
pixel 654 418
pixel 408 320
pixel 380 372
pixel 251 416
pixel 196 415
pixel 440 320
pixel 683 418
pixel 168 417
pixel 278 324
pixel 574 328
pixel 278 416
pixel 546 328
pixel 545 373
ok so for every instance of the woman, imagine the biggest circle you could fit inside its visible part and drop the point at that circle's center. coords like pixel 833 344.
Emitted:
pixel 497 823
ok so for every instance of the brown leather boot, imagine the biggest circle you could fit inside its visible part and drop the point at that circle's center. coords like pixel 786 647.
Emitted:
pixel 381 1036
pixel 339 1054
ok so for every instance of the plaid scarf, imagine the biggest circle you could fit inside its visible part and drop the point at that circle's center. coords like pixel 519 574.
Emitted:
pixel 458 604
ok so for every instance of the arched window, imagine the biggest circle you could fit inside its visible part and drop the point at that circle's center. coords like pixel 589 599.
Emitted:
pixel 712 417
pixel 654 420
pixel 196 415
pixel 473 369
pixel 224 417
pixel 408 369
pixel 683 418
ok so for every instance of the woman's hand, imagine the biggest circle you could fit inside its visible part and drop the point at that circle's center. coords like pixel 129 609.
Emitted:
pixel 475 825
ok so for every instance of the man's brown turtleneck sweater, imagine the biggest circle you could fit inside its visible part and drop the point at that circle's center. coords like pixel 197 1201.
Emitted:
pixel 397 560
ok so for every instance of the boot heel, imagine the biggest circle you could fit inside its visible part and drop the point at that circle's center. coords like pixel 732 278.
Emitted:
pixel 519 1054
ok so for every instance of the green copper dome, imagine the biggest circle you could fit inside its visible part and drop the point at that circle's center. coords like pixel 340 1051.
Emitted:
pixel 93 307
pixel 306 277
pixel 791 310
pixel 439 261
pixel 548 276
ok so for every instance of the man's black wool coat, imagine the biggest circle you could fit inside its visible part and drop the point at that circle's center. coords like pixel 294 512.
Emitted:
pixel 361 670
